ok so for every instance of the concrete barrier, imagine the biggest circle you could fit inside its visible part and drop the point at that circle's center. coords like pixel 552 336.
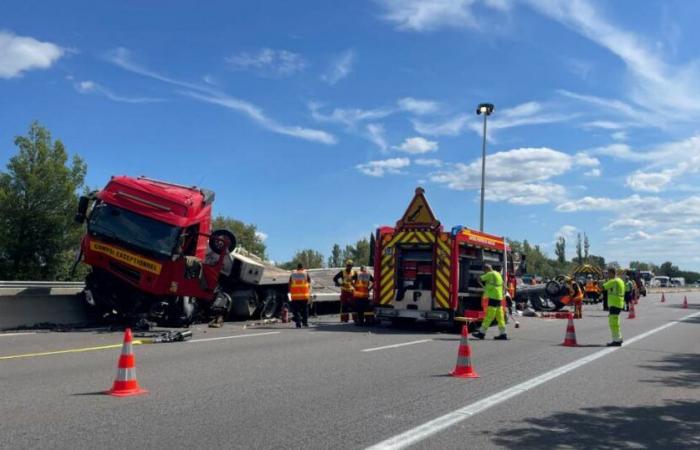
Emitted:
pixel 29 307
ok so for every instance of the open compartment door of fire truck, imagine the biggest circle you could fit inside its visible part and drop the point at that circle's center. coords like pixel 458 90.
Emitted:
pixel 475 250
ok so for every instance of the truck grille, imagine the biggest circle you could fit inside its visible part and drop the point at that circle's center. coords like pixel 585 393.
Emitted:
pixel 130 274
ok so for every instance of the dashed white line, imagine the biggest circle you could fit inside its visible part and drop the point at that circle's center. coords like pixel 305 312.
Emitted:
pixel 434 426
pixel 374 349
pixel 238 336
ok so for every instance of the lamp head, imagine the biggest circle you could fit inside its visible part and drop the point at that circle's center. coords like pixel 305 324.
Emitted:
pixel 485 108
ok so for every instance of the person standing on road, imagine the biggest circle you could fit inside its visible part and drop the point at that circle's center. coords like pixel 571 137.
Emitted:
pixel 300 291
pixel 629 292
pixel 493 290
pixel 615 288
pixel 362 284
pixel 344 280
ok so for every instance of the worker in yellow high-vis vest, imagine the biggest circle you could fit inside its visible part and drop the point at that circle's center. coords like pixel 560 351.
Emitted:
pixel 615 288
pixel 493 290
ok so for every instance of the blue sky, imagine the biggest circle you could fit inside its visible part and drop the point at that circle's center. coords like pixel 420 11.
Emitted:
pixel 316 120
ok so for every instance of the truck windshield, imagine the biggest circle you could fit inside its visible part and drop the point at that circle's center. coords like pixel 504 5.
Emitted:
pixel 121 225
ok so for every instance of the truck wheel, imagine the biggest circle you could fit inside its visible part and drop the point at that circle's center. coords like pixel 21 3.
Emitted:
pixel 245 307
pixel 182 311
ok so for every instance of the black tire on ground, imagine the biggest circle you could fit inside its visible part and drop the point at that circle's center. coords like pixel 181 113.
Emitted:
pixel 245 307
pixel 182 311
pixel 552 288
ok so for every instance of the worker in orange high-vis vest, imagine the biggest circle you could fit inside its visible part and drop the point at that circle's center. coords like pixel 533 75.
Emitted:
pixel 300 292
pixel 347 291
pixel 362 284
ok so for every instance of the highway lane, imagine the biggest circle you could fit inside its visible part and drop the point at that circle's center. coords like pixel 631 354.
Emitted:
pixel 311 388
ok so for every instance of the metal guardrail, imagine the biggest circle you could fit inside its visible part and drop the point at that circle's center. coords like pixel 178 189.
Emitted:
pixel 41 284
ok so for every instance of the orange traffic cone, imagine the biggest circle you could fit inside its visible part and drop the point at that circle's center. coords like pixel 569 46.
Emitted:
pixel 685 302
pixel 464 368
pixel 633 312
pixel 125 385
pixel 663 298
pixel 570 337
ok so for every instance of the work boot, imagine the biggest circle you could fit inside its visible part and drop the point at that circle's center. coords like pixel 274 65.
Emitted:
pixel 501 337
pixel 614 344
pixel 478 335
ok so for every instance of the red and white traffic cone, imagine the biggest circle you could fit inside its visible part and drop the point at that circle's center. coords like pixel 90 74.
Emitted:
pixel 685 302
pixel 464 368
pixel 126 385
pixel 633 312
pixel 570 337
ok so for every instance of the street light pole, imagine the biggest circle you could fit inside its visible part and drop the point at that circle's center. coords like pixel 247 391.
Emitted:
pixel 486 109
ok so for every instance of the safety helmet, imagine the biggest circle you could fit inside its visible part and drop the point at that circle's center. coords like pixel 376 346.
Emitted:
pixel 349 262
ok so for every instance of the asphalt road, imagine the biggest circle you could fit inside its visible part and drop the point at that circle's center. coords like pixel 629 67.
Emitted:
pixel 340 386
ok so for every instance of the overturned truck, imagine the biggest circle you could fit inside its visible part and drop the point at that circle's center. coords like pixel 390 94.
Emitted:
pixel 153 256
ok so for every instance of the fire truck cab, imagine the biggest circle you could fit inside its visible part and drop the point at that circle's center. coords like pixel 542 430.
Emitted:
pixel 424 273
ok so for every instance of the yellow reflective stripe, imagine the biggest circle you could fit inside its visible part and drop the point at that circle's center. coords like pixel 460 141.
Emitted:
pixel 444 246
pixel 441 276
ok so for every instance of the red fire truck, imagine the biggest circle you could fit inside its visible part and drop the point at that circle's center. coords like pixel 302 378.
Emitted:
pixel 424 273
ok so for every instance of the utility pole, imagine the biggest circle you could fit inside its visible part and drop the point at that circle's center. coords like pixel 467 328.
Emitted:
pixel 486 109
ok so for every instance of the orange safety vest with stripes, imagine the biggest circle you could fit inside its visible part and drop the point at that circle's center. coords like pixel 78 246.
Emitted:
pixel 299 286
pixel 362 286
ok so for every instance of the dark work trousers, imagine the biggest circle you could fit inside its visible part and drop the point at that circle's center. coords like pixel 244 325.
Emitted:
pixel 300 311
pixel 361 306
pixel 628 299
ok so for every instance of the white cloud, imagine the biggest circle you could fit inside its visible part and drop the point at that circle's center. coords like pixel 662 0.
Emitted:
pixel 625 222
pixel 522 175
pixel 340 67
pixel 19 54
pixel 268 61
pixel 418 107
pixel 593 173
pixel 428 162
pixel 606 204
pixel 619 135
pixel 662 90
pixel 649 182
pixel 90 87
pixel 262 236
pixel 382 167
pixel 604 124
pixel 585 160
pixel 375 133
pixel 529 113
pixel 257 115
pixel 427 15
pixel 122 58
pixel 568 232
pixel 349 117
pixel 417 145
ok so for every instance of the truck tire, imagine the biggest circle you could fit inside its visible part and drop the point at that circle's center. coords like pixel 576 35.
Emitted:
pixel 244 307
pixel 215 243
pixel 182 311
pixel 553 288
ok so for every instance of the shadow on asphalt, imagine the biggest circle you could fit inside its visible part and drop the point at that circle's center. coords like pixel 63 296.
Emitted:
pixel 673 425
pixel 682 370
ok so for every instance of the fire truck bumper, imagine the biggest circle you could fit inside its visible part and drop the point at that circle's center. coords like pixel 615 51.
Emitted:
pixel 391 313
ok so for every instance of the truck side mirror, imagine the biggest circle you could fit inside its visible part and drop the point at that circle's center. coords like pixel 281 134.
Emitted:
pixel 83 203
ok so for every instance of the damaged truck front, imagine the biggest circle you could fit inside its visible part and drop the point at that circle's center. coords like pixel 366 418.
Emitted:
pixel 152 253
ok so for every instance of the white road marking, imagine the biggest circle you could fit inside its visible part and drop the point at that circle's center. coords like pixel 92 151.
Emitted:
pixel 238 336
pixel 15 334
pixel 434 426
pixel 374 349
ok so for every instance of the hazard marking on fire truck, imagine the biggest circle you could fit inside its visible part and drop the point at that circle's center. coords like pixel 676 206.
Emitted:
pixel 126 257
pixel 442 271
pixel 418 214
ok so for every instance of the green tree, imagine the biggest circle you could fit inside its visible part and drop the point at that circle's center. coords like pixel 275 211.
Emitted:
pixel 560 249
pixel 361 255
pixel 586 247
pixel 579 249
pixel 247 235
pixel 336 258
pixel 668 269
pixel 38 199
pixel 309 258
